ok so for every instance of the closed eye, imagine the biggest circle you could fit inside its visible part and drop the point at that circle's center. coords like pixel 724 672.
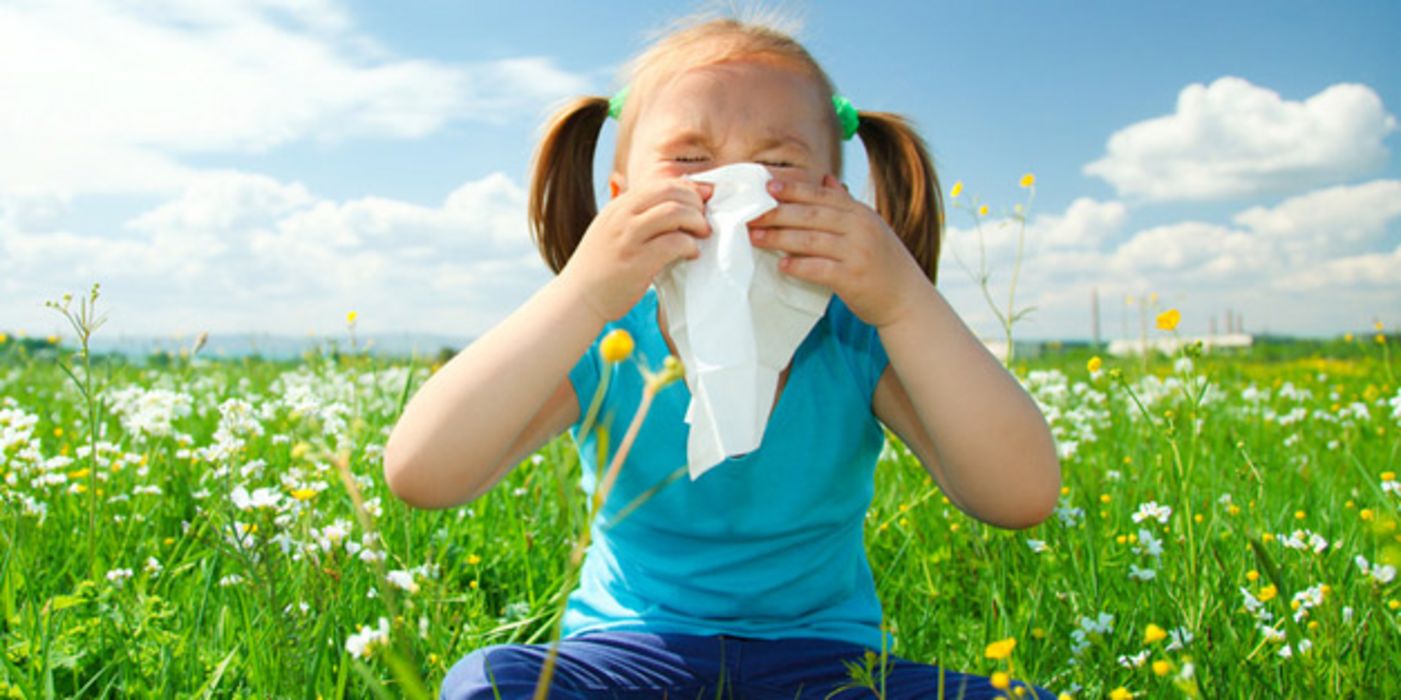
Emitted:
pixel 777 163
pixel 690 159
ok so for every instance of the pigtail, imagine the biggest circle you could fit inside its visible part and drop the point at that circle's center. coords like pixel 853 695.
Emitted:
pixel 562 200
pixel 906 189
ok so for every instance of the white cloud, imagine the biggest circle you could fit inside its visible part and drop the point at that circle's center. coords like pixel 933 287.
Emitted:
pixel 1320 262
pixel 112 97
pixel 1233 139
pixel 242 252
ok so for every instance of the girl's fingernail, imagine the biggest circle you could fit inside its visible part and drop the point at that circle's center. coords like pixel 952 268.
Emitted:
pixel 775 186
pixel 758 234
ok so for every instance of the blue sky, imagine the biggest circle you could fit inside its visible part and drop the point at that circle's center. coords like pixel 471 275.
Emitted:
pixel 270 165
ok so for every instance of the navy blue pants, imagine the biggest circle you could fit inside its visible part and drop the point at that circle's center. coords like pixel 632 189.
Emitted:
pixel 641 665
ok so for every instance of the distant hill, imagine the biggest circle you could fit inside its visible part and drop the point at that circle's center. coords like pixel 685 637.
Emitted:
pixel 280 346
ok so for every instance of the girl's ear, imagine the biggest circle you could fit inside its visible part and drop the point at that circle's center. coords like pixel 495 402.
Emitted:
pixel 616 183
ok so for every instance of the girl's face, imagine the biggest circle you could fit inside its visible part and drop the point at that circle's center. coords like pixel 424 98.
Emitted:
pixel 743 111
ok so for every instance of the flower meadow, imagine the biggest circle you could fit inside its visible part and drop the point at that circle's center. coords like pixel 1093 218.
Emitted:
pixel 178 526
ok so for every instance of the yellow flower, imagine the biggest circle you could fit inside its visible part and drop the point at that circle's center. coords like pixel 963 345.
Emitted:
pixel 1000 649
pixel 1300 515
pixel 1153 633
pixel 1094 364
pixel 53 340
pixel 473 560
pixel 4 338
pixel 957 189
pixel 1366 514
pixel 1377 325
pixel 350 318
pixel 1381 339
pixel 58 432
pixel 1388 476
pixel 1347 337
pixel 1120 693
pixel 1393 604
pixel 1001 680
pixel 1252 576
pixel 616 346
pixel 1267 593
pixel 1161 668
pixel 983 210
pixel 303 494
pixel 1168 320
pixel 1105 498
pixel 1027 180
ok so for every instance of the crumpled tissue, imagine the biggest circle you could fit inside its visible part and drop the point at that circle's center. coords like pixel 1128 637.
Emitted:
pixel 735 320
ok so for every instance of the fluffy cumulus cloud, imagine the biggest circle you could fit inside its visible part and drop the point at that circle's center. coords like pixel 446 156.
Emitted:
pixel 1314 263
pixel 242 252
pixel 116 97
pixel 1232 139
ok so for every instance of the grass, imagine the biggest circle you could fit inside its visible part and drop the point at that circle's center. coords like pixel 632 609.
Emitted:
pixel 260 600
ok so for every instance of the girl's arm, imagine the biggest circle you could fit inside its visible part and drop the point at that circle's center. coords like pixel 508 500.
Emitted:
pixel 969 421
pixel 509 392
pixel 492 404
pixel 972 425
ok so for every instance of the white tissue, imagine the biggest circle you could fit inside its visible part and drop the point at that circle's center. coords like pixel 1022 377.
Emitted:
pixel 735 320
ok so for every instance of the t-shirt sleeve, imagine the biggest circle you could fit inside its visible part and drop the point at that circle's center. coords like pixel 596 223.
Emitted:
pixel 585 377
pixel 861 346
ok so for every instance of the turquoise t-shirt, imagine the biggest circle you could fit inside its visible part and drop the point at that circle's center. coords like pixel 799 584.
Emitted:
pixel 766 545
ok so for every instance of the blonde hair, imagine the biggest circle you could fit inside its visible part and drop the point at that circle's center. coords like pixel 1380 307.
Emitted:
pixel 562 204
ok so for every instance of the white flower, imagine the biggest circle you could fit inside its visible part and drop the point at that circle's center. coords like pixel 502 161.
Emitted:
pixel 230 580
pixel 1183 365
pixel 1090 629
pixel 1304 540
pixel 118 576
pixel 1381 573
pixel 1037 546
pixel 260 498
pixel 1148 544
pixel 363 643
pixel 1180 637
pixel 1151 510
pixel 403 579
pixel 1069 516
pixel 153 566
pixel 1141 574
pixel 1135 661
pixel 1272 634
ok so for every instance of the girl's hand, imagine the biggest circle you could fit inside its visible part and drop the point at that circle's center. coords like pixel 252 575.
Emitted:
pixel 633 237
pixel 838 242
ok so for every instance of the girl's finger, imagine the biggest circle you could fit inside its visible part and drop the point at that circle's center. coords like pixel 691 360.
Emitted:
pixel 821 217
pixel 677 190
pixel 667 216
pixel 667 247
pixel 795 191
pixel 798 241
pixel 823 271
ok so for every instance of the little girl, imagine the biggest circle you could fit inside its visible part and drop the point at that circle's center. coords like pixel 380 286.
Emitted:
pixel 752 580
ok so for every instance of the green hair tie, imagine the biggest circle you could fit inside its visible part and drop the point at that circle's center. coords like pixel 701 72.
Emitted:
pixel 615 103
pixel 846 111
pixel 846 116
